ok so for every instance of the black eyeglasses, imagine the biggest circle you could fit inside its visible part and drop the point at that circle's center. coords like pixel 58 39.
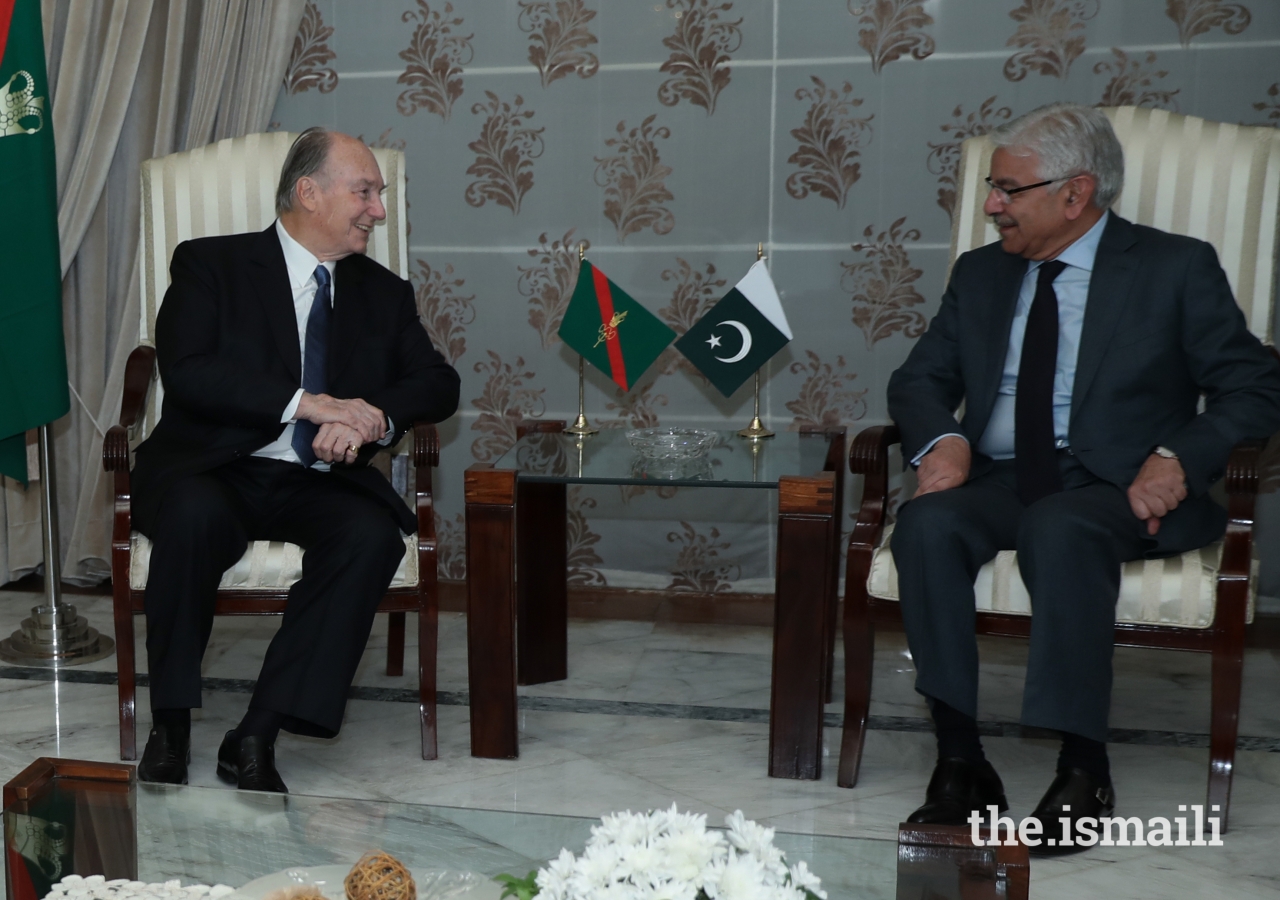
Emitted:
pixel 1006 194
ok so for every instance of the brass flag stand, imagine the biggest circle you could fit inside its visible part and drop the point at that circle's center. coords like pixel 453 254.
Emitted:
pixel 581 427
pixel 756 430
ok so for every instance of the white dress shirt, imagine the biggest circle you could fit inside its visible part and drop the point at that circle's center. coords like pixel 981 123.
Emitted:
pixel 301 264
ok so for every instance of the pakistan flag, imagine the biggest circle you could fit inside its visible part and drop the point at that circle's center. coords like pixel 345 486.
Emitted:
pixel 740 333
pixel 33 357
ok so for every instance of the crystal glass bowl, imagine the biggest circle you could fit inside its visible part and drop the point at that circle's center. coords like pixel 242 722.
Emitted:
pixel 671 443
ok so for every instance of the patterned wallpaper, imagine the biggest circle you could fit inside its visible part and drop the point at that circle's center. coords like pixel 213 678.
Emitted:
pixel 671 136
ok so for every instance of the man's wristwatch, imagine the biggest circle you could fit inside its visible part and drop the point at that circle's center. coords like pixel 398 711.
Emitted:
pixel 1165 452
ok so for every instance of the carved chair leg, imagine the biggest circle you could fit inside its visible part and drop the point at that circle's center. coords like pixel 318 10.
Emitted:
pixel 395 644
pixel 1227 668
pixel 126 679
pixel 859 654
pixel 428 626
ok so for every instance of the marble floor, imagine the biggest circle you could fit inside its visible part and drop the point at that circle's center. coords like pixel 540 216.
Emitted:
pixel 655 713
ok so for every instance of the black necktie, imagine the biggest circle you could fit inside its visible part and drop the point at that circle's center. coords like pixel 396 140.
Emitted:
pixel 315 378
pixel 1034 443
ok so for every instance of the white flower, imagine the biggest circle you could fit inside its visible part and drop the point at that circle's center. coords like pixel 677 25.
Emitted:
pixel 689 855
pixel 804 880
pixel 625 828
pixel 596 868
pixel 753 838
pixel 741 877
pixel 553 881
pixel 640 863
pixel 669 890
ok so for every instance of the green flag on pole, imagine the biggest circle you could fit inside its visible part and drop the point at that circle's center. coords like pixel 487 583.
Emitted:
pixel 33 356
pixel 740 333
pixel 611 330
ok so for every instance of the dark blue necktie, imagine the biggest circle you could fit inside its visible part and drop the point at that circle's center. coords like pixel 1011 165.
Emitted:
pixel 315 378
pixel 1034 443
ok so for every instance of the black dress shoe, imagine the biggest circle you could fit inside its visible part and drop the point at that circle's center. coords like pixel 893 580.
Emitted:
pixel 1074 795
pixel 250 764
pixel 957 788
pixel 167 755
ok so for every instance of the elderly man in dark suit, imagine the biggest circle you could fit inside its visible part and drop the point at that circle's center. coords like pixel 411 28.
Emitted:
pixel 288 359
pixel 1080 345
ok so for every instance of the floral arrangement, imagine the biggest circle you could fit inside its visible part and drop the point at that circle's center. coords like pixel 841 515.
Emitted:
pixel 670 855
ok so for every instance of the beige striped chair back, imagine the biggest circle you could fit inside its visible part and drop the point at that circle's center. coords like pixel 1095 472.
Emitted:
pixel 1183 174
pixel 228 188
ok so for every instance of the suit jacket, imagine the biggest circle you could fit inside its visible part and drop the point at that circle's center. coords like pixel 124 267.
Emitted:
pixel 229 357
pixel 1161 328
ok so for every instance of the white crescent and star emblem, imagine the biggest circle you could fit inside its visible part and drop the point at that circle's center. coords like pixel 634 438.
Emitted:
pixel 714 341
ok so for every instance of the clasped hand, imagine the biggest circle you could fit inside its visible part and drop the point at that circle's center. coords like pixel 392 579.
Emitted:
pixel 1160 486
pixel 345 425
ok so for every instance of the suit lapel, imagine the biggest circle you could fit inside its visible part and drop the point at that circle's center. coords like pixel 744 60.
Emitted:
pixel 348 290
pixel 1109 290
pixel 276 296
pixel 1007 283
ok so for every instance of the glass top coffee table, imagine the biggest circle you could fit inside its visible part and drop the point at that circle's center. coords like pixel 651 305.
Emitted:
pixel 101 821
pixel 233 837
pixel 517 600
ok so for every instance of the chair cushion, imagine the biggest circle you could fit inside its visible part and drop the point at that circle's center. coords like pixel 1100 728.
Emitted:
pixel 266 565
pixel 1179 590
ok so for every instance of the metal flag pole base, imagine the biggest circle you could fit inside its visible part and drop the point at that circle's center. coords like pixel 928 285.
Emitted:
pixel 55 635
pixel 581 426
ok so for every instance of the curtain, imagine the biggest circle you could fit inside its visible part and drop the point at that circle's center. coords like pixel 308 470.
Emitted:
pixel 131 79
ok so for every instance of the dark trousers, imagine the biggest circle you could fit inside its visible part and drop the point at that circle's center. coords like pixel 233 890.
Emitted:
pixel 352 546
pixel 1070 548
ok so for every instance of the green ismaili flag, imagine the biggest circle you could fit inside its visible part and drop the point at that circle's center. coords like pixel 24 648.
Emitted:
pixel 33 356
pixel 611 330
pixel 740 333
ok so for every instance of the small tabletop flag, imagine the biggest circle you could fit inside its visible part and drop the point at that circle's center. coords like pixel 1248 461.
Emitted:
pixel 740 333
pixel 610 330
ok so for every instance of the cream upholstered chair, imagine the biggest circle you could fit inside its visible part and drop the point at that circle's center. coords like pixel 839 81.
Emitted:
pixel 227 188
pixel 1183 174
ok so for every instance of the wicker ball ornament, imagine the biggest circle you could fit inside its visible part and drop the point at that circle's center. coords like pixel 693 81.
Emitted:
pixel 379 876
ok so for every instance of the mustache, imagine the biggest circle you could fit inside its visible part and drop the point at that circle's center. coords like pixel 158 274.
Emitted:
pixel 1003 221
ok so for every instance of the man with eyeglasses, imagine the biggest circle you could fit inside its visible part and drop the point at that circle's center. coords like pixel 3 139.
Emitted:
pixel 1080 345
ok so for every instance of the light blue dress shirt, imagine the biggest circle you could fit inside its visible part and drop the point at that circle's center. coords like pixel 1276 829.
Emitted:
pixel 1072 289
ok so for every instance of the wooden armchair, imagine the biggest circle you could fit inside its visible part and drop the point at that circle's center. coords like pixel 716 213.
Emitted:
pixel 1214 181
pixel 226 188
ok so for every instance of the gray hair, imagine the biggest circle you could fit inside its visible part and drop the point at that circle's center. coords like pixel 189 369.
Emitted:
pixel 1069 139
pixel 305 158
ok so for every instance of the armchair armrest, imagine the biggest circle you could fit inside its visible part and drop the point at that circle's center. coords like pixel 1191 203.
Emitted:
pixel 426 456
pixel 869 457
pixel 1241 482
pixel 138 372
pixel 1242 468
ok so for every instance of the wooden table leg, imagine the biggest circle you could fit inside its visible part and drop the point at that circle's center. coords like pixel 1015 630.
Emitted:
pixel 491 611
pixel 806 511
pixel 542 600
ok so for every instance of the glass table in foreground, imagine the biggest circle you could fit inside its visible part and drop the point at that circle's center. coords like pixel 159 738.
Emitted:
pixel 114 826
pixel 517 601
